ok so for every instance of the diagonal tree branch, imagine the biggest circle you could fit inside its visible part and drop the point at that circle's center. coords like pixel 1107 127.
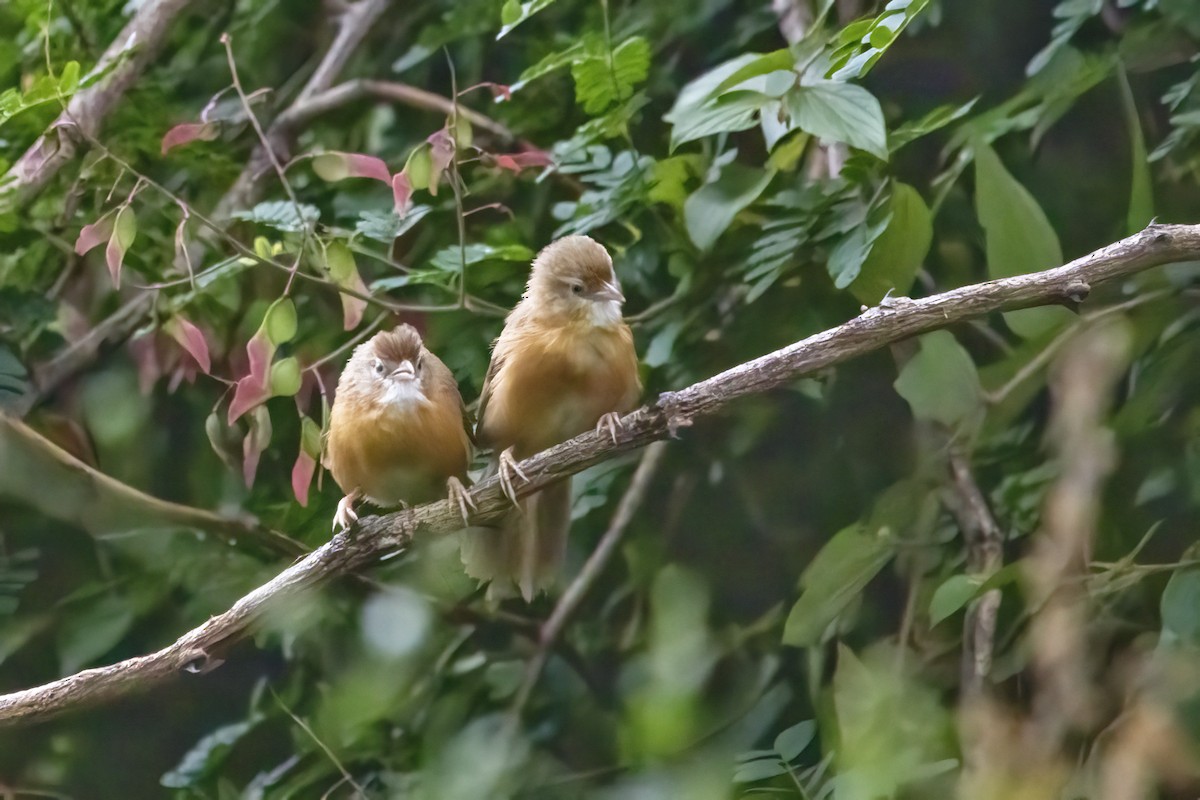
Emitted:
pixel 36 471
pixel 200 650
pixel 356 22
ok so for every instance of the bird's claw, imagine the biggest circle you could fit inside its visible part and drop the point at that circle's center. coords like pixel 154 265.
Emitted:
pixel 460 498
pixel 507 469
pixel 346 515
pixel 610 422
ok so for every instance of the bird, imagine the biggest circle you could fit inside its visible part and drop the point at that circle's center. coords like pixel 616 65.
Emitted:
pixel 398 431
pixel 563 364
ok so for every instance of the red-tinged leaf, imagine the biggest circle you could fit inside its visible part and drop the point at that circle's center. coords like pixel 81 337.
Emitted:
pixel 248 393
pixel 402 193
pixel 441 151
pixel 144 350
pixel 96 233
pixel 302 475
pixel 253 389
pixel 184 371
pixel 337 166
pixel 188 132
pixel 191 339
pixel 353 307
pixel 256 441
pixel 123 233
pixel 516 162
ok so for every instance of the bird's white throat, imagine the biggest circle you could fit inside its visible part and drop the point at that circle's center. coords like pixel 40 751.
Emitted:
pixel 605 313
pixel 404 393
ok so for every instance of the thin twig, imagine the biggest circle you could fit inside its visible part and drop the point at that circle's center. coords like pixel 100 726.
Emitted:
pixel 592 568
pixel 346 776
pixel 200 650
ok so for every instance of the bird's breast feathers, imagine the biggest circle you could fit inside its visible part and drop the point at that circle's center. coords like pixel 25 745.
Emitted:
pixel 556 382
pixel 395 450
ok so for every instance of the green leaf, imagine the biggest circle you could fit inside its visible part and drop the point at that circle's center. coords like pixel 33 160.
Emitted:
pixel 736 111
pixel 14 379
pixel 280 321
pixel 207 756
pixel 1178 606
pixel 282 215
pixel 419 168
pixel 848 255
pixel 285 377
pixel 954 593
pixel 1141 190
pixel 862 43
pixel 600 83
pixel 758 770
pixel 340 263
pixel 710 210
pixel 835 579
pixel 792 741
pixel 940 117
pixel 698 112
pixel 899 251
pixel 839 112
pixel 514 13
pixel 941 383
pixel 663 344
pixel 776 61
pixel 1018 235
pixel 385 226
pixel 92 630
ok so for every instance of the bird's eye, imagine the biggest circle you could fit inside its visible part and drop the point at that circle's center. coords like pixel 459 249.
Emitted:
pixel 577 288
pixel 378 367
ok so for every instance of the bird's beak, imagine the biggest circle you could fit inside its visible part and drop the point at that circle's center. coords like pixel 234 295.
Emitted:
pixel 609 292
pixel 405 370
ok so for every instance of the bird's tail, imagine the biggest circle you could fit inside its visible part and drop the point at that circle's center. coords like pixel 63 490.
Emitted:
pixel 526 549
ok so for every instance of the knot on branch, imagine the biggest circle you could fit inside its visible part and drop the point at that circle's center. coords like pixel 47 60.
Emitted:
pixel 199 662
pixel 1076 292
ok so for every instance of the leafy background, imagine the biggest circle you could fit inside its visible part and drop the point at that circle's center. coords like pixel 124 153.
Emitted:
pixel 786 614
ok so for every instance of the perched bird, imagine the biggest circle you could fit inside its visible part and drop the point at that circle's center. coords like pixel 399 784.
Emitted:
pixel 398 431
pixel 563 364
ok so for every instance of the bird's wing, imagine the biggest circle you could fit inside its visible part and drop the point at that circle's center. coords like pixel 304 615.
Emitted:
pixel 485 394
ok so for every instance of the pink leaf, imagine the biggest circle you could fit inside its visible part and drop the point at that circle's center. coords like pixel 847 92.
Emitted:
pixel 256 441
pixel 441 151
pixel 188 132
pixel 124 231
pixel 335 166
pixel 353 307
pixel 302 475
pixel 191 339
pixel 92 235
pixel 254 389
pixel 523 160
pixel 401 193
pixel 145 355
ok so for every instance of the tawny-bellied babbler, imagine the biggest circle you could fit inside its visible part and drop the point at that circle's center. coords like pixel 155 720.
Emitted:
pixel 398 431
pixel 563 364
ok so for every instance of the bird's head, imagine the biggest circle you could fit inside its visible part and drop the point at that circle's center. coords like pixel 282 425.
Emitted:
pixel 390 367
pixel 574 276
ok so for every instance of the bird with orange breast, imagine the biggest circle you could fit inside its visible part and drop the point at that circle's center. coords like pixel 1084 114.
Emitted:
pixel 564 364
pixel 398 431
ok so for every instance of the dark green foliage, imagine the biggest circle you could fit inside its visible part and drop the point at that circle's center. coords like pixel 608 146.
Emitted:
pixel 786 613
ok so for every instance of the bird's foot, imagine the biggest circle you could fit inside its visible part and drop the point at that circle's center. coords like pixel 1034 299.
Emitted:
pixel 610 422
pixel 345 516
pixel 509 471
pixel 460 498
